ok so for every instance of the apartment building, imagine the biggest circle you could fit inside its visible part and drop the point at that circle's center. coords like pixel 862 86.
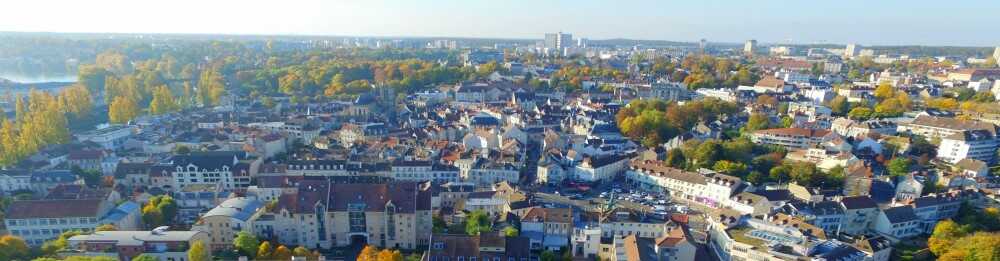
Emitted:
pixel 792 138
pixel 323 214
pixel 970 144
pixel 941 127
pixel 223 222
pixel 424 170
pixel 711 190
pixel 228 169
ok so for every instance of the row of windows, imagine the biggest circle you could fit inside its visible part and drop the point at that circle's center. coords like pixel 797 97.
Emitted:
pixel 43 232
pixel 50 221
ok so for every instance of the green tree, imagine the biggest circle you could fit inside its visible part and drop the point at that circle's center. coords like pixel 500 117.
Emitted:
pixel 439 225
pixel 757 121
pixel 547 255
pixel 675 158
pixel 730 168
pixel 246 244
pixel 13 248
pixel 199 252
pixel 898 166
pixel 510 231
pixel 477 222
pixel 860 113
pixel 145 257
pixel 59 243
pixel 839 105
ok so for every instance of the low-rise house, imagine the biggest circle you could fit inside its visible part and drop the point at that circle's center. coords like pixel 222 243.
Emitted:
pixel 674 246
pixel 487 246
pixel 126 245
pixel 111 138
pixel 933 208
pixel 822 158
pixel 850 128
pixel 972 168
pixel 861 212
pixel 547 228
pixel 827 215
pixel 13 181
pixel 897 223
pixel 491 202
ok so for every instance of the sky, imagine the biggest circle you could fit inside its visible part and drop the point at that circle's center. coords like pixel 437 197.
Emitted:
pixel 866 22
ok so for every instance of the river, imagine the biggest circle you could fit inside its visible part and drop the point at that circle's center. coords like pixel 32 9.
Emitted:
pixel 23 83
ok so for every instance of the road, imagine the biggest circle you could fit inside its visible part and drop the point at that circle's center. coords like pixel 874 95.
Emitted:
pixel 588 205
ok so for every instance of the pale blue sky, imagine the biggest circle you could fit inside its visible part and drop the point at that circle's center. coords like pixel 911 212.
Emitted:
pixel 871 22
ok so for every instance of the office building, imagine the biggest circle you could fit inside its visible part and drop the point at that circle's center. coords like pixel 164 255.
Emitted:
pixel 558 41
pixel 749 47
pixel 851 50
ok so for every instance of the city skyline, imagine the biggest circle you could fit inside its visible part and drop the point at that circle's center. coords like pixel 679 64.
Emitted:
pixel 717 21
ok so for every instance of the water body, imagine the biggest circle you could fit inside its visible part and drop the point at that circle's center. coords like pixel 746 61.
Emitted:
pixel 17 83
pixel 37 78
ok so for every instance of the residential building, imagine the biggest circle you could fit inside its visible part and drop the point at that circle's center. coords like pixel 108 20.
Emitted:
pixel 111 137
pixel 596 168
pixel 12 181
pixel 970 144
pixel 897 223
pixel 827 215
pixel 486 246
pixel 861 213
pixel 674 246
pixel 933 208
pixel 792 138
pixel 547 228
pixel 711 190
pixel 558 41
pixel 224 221
pixel 322 214
pixel 851 50
pixel 940 127
pixel 423 170
pixel 492 203
pixel 37 221
pixel 126 245
pixel 227 169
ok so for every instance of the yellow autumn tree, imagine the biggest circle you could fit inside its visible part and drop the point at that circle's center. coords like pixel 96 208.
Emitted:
pixel 122 110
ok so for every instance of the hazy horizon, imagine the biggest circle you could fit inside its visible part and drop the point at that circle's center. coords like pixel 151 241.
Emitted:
pixel 769 21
